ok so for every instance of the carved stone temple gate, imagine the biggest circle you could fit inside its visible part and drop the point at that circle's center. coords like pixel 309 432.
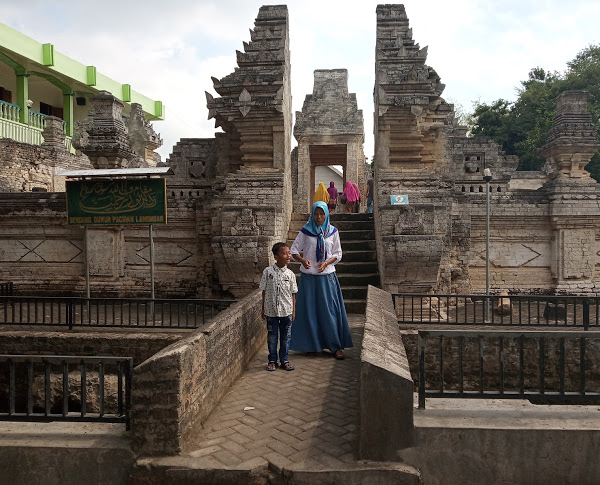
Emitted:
pixel 329 131
pixel 231 196
pixel 543 238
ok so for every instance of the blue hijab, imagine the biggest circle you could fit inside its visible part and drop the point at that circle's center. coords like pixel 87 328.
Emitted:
pixel 320 232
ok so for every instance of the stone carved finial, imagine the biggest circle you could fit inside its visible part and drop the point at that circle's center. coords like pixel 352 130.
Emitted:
pixel 108 142
pixel 572 139
pixel 142 137
pixel 254 100
pixel 54 135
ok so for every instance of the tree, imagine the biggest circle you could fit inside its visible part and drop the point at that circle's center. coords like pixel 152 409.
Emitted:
pixel 522 127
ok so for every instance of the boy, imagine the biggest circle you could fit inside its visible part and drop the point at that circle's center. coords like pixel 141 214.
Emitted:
pixel 279 305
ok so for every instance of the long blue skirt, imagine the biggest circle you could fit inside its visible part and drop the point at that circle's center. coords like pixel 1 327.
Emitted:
pixel 321 320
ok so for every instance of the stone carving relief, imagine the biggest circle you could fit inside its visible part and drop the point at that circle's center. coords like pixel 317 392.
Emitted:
pixel 245 224
pixel 35 250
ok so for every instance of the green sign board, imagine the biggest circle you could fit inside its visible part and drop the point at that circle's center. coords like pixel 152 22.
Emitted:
pixel 116 202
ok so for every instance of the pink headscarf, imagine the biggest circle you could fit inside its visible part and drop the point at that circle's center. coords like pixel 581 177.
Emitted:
pixel 333 192
pixel 350 191
pixel 357 190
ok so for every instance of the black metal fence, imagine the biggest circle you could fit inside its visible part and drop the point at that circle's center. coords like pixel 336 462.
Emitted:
pixel 558 311
pixel 547 366
pixel 6 288
pixel 65 388
pixel 108 312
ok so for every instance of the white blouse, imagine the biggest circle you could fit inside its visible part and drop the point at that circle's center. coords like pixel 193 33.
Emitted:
pixel 308 246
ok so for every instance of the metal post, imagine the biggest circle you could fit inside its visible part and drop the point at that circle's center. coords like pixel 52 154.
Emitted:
pixel 87 264
pixel 151 261
pixel 487 176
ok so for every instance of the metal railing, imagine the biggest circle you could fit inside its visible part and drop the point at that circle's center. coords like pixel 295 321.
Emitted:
pixel 61 388
pixel 515 310
pixel 108 312
pixel 460 364
pixel 6 288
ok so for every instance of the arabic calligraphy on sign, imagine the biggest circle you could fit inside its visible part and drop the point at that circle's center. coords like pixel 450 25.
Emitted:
pixel 115 197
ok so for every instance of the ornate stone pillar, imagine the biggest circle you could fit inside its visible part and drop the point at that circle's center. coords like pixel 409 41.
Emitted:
pixel 574 195
pixel 410 121
pixel 254 110
pixel 108 144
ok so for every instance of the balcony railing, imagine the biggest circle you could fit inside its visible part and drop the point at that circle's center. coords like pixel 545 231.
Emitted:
pixel 30 133
pixel 9 111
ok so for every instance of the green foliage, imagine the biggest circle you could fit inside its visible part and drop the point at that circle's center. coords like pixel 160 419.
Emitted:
pixel 521 128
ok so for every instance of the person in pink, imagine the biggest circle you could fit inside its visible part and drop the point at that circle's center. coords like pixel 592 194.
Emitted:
pixel 357 204
pixel 351 197
pixel 333 197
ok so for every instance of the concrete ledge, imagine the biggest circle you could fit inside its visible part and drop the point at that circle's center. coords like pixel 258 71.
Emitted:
pixel 467 455
pixel 176 389
pixel 185 470
pixel 60 453
pixel 386 387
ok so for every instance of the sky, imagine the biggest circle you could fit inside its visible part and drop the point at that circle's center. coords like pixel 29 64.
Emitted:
pixel 168 50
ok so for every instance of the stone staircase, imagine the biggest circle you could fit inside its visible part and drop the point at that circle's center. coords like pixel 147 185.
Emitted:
pixel 358 267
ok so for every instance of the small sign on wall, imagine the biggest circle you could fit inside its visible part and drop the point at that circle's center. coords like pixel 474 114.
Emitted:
pixel 399 199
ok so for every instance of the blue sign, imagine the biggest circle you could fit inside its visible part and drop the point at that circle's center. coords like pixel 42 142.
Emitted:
pixel 399 199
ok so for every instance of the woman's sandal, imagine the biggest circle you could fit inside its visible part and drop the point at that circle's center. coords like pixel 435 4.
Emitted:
pixel 271 366
pixel 288 366
pixel 339 355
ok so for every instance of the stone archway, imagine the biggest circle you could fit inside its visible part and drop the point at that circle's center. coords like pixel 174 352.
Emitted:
pixel 326 155
pixel 329 131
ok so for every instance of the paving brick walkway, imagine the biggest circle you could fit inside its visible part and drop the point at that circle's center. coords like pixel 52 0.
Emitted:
pixel 307 417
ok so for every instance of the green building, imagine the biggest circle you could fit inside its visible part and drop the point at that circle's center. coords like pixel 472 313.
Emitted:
pixel 37 81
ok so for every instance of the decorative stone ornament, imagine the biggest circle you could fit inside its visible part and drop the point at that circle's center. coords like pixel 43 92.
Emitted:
pixel 108 143
pixel 572 139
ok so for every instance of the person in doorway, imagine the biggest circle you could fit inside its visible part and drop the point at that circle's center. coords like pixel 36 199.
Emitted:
pixel 279 287
pixel 333 197
pixel 321 317
pixel 370 195
pixel 358 201
pixel 321 194
pixel 350 196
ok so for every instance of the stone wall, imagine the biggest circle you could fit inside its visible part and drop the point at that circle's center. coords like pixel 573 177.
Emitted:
pixel 129 343
pixel 25 167
pixel 386 387
pixel 176 389
pixel 43 255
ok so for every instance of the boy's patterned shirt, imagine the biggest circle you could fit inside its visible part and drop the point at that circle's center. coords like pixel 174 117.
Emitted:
pixel 278 284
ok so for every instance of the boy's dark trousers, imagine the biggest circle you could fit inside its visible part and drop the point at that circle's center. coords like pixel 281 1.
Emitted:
pixel 279 327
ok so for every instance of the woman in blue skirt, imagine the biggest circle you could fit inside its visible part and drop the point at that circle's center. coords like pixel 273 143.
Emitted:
pixel 321 321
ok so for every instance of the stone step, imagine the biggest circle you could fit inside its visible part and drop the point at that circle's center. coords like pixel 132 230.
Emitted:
pixel 364 256
pixel 359 235
pixel 342 226
pixel 353 279
pixel 355 306
pixel 342 216
pixel 345 267
pixel 354 292
pixel 353 247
